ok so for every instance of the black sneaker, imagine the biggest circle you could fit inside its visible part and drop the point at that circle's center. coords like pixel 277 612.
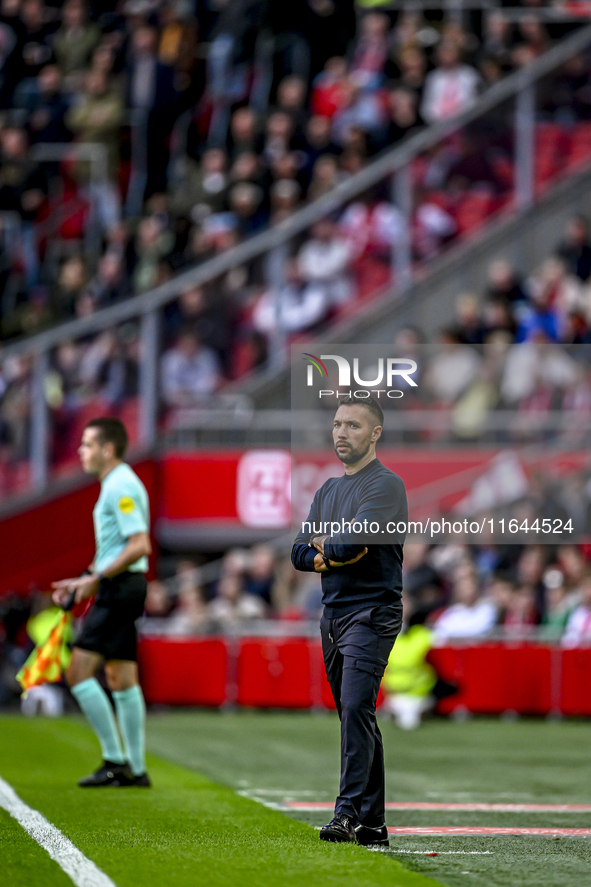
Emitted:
pixel 372 837
pixel 142 781
pixel 109 773
pixel 339 829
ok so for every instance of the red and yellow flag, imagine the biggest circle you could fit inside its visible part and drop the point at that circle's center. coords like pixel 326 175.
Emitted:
pixel 48 660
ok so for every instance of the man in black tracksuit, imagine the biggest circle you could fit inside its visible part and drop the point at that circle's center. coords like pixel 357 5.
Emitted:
pixel 361 593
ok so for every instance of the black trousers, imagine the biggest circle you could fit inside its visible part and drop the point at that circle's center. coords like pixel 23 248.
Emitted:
pixel 356 648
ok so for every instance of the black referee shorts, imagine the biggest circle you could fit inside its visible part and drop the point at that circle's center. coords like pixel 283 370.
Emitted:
pixel 109 628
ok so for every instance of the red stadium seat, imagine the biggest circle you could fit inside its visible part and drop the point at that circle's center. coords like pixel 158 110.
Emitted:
pixel 580 146
pixel 551 144
pixel 473 210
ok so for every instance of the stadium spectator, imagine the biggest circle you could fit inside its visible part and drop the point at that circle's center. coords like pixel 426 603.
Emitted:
pixel 232 606
pixel 403 117
pixel 330 88
pixel 451 88
pixel 557 605
pixel 209 316
pixel 190 616
pixel 96 117
pixel 324 176
pixel 74 42
pixel 451 370
pixel 295 306
pixel 571 562
pixel 46 108
pixel 521 614
pixel 413 69
pixel 23 188
pixel 202 188
pixel 409 679
pixel 469 615
pixel 324 259
pixel 569 98
pixel 498 39
pixel 153 98
pixel 578 628
pixel 370 51
pixel 575 249
pixel 158 604
pixel 189 371
pixel 260 574
pixel 373 227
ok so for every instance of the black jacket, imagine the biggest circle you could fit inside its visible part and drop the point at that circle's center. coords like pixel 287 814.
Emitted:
pixel 374 495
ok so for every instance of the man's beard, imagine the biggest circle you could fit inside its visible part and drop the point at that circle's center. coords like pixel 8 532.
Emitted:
pixel 350 456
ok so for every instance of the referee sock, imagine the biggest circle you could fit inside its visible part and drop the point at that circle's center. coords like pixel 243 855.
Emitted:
pixel 95 704
pixel 131 714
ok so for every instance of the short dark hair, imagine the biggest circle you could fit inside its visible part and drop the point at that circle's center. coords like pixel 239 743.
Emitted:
pixel 111 430
pixel 367 402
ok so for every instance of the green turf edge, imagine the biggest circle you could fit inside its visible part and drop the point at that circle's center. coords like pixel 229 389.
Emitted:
pixel 186 830
pixel 485 759
pixel 24 860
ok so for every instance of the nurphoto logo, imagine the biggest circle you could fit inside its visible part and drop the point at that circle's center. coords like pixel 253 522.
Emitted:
pixel 388 371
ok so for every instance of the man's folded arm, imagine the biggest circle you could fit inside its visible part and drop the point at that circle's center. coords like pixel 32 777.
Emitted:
pixel 384 502
pixel 302 556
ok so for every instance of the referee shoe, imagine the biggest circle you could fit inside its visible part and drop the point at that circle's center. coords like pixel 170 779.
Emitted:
pixel 338 829
pixel 372 837
pixel 109 774
pixel 142 781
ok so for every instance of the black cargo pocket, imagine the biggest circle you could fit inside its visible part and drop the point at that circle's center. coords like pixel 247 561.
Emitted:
pixel 373 668
pixel 386 620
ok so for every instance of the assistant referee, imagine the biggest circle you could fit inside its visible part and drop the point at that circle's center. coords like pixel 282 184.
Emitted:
pixel 108 635
pixel 361 593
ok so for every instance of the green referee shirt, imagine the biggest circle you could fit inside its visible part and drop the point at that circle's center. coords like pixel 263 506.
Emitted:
pixel 121 510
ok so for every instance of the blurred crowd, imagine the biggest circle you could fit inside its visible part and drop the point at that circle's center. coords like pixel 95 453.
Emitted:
pixel 460 591
pixel 553 304
pixel 457 592
pixel 247 585
pixel 211 120
pixel 550 306
pixel 214 119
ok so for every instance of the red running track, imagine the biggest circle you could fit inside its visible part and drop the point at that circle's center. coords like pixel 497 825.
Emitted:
pixel 474 808
pixel 461 830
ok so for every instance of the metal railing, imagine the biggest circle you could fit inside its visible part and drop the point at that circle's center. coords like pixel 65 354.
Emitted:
pixel 394 165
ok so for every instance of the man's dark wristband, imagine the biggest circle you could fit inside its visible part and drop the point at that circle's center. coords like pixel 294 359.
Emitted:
pixel 326 562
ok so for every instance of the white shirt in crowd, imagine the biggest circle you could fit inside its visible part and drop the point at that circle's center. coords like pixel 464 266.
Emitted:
pixel 298 308
pixel 187 379
pixel 461 621
pixel 246 607
pixel 326 263
pixel 578 628
pixel 448 92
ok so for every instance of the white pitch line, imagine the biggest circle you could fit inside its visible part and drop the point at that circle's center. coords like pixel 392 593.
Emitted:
pixel 445 852
pixel 82 871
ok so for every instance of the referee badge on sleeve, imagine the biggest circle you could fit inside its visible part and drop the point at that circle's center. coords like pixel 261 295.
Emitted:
pixel 126 504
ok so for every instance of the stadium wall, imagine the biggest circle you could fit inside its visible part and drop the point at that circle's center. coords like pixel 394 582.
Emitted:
pixel 493 678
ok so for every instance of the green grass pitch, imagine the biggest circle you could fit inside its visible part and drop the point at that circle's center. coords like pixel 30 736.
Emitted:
pixel 199 824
